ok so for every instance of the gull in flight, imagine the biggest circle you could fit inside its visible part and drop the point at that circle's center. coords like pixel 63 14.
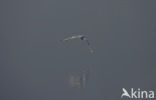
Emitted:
pixel 82 37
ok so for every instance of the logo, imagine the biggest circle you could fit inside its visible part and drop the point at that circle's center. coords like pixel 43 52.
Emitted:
pixel 137 93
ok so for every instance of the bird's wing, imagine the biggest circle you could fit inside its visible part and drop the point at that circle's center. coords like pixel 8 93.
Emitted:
pixel 72 37
pixel 89 46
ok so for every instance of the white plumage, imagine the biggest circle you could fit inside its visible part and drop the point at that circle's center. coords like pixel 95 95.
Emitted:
pixel 82 37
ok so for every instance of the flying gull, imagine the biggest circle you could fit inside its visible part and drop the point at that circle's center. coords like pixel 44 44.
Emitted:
pixel 82 37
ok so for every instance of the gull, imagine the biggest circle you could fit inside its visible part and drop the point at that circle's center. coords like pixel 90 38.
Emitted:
pixel 82 37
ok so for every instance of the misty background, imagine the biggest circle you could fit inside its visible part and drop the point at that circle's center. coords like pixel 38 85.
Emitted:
pixel 35 65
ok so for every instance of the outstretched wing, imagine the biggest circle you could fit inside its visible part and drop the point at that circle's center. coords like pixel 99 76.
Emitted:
pixel 89 46
pixel 72 37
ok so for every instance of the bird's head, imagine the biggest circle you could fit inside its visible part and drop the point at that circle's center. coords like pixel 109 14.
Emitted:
pixel 82 37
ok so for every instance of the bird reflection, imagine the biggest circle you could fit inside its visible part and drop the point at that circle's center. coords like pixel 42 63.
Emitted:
pixel 81 80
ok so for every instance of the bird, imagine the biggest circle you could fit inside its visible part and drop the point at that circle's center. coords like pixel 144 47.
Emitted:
pixel 81 37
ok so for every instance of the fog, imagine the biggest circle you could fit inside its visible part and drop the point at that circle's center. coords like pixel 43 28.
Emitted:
pixel 35 65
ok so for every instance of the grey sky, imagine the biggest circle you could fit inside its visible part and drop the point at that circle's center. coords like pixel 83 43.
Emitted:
pixel 35 65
